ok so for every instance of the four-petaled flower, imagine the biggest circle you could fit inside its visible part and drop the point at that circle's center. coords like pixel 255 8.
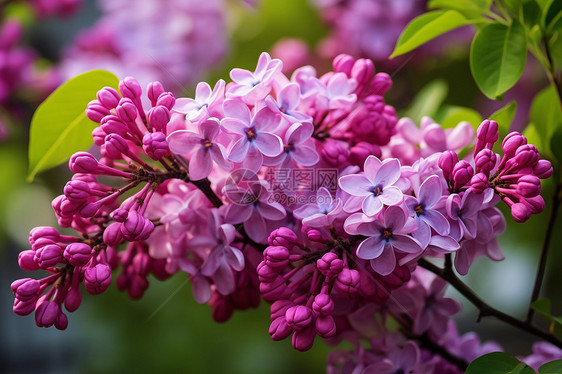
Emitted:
pixel 323 212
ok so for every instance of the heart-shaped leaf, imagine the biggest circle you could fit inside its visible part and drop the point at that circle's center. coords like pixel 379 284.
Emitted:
pixel 498 363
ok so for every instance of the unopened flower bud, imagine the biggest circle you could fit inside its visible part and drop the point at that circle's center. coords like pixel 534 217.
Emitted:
pixel 511 142
pixel 343 63
pixel 323 304
pixel 127 110
pixel 112 235
pixel 485 160
pixel 26 289
pixel 73 299
pixel 304 339
pixel 520 212
pixel 158 117
pixel 279 307
pixel 315 235
pixel 325 326
pixel 166 99
pixel 136 227
pixel 83 162
pixel 362 71
pixel 348 281
pixel 535 204
pixel 276 257
pixel 97 278
pixel 61 322
pixel 527 155
pixel 113 125
pixel 47 313
pixel 543 169
pixel 279 329
pixel 154 90
pixel 298 317
pixel 486 135
pixel 77 190
pixel 130 88
pixel 330 264
pixel 155 145
pixel 528 186
pixel 108 97
pixel 462 173
pixel 479 182
pixel 447 162
pixel 95 111
pixel 23 308
pixel 380 84
pixel 48 255
pixel 283 236
pixel 43 232
pixel 266 274
pixel 78 254
pixel 26 260
pixel 360 151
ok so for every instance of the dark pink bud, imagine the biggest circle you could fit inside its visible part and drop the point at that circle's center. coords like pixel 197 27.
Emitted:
pixel 47 313
pixel 343 63
pixel 479 182
pixel 348 281
pixel 462 173
pixel 43 232
pixel 77 190
pixel 266 274
pixel 362 71
pixel 485 160
pixel 48 255
pixel 97 278
pixel 130 88
pixel 527 155
pixel 298 317
pixel 158 117
pixel 167 100
pixel 141 264
pixel 325 326
pixel 26 289
pixel 95 111
pixel 447 162
pixel 99 136
pixel 323 304
pixel 136 227
pixel 360 151
pixel 154 90
pixel 155 145
pixel 127 110
pixel 535 204
pixel 304 339
pixel 315 235
pixel 283 236
pixel 274 290
pixel 113 125
pixel 520 212
pixel 108 97
pixel 543 169
pixel 78 254
pixel 380 84
pixel 61 323
pixel 112 235
pixel 529 186
pixel 137 286
pixel 222 308
pixel 335 153
pixel 279 329
pixel 276 257
pixel 26 260
pixel 330 265
pixel 23 308
pixel 73 299
pixel 511 142
pixel 487 132
pixel 279 307
pixel 120 214
pixel 83 162
pixel 115 146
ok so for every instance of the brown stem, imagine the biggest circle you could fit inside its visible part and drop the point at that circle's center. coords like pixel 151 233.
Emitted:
pixel 484 309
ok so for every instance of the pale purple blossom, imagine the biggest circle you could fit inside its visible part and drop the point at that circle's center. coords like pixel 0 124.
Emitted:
pixel 298 147
pixel 207 102
pixel 323 212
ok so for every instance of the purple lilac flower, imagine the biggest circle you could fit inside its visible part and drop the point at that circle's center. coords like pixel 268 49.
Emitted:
pixel 206 102
pixel 298 147
pixel 323 212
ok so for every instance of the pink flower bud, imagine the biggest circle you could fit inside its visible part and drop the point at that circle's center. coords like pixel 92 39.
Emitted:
pixel 360 151
pixel 154 90
pixel 511 142
pixel 120 214
pixel 115 146
pixel 276 257
pixel 95 111
pixel 108 97
pixel 315 235
pixel 141 264
pixel 158 117
pixel 61 323
pixel 543 169
pixel 462 173
pixel 47 313
pixel 335 153
pixel 137 286
pixel 26 260
pixel 343 63
pixel 274 290
pixel 23 308
pixel 347 281
pixel 298 317
pixel 325 326
pixel 520 212
pixel 48 255
pixel 26 289
pixel 447 162
pixel 329 264
pixel 78 254
pixel 279 307
pixel 136 227
pixel 380 84
pixel 73 299
pixel 77 190
pixel 99 136
pixel 323 304
pixel 535 204
pixel 527 155
pixel 112 235
pixel 113 125
pixel 167 100
pixel 43 232
pixel 435 137
pixel 266 274
pixel 487 132
pixel 279 329
pixel 127 110
pixel 304 339
pixel 362 71
pixel 283 237
pixel 485 160
pixel 97 278
pixel 83 162
pixel 528 186
pixel 155 145
pixel 222 308
pixel 479 182
pixel 130 88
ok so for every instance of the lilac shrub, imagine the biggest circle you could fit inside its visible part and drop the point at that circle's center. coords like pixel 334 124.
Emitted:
pixel 293 190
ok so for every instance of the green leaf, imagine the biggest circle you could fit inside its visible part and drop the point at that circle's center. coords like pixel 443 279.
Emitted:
pixel 504 118
pixel 556 49
pixel 552 15
pixel 552 367
pixel 450 116
pixel 556 145
pixel 426 27
pixel 428 100
pixel 498 363
pixel 546 115
pixel 468 8
pixel 533 137
pixel 531 13
pixel 59 126
pixel 513 5
pixel 497 57
pixel 542 306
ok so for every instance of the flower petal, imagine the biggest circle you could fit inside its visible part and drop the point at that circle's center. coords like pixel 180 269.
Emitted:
pixel 356 185
pixel 239 150
pixel 388 173
pixel 371 248
pixel 238 213
pixel 271 211
pixel 386 262
pixel 268 144
pixel 200 165
pixel 405 243
pixel 183 141
pixel 391 195
pixel 237 109
pixel 304 155
pixel 209 129
pixel 430 191
pixel 372 205
pixel 436 220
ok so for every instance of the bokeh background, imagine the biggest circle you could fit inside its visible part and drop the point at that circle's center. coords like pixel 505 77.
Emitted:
pixel 181 43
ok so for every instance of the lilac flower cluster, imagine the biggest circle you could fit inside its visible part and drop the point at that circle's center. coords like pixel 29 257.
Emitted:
pixel 202 186
pixel 173 41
